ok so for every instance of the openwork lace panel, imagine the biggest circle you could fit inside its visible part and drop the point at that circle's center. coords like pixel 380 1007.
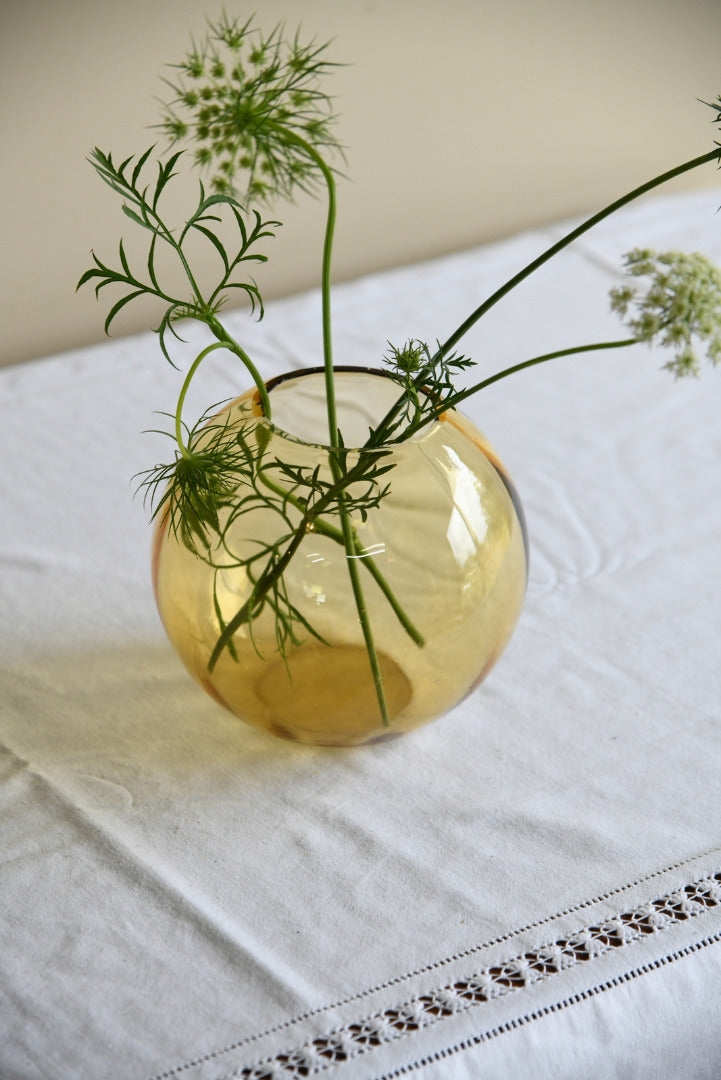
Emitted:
pixel 379 1028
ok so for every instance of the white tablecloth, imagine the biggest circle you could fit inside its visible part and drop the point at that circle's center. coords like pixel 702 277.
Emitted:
pixel 530 887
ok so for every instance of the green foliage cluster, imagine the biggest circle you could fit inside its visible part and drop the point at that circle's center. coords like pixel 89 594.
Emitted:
pixel 253 108
pixel 219 219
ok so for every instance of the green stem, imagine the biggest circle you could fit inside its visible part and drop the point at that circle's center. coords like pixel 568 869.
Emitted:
pixel 352 556
pixel 325 301
pixel 371 566
pixel 325 283
pixel 230 343
pixel 461 395
pixel 330 496
pixel 324 528
pixel 184 390
pixel 225 342
pixel 161 230
pixel 589 223
pixel 333 433
pixel 526 271
pixel 241 616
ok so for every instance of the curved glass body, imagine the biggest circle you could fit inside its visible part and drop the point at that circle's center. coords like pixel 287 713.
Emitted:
pixel 447 544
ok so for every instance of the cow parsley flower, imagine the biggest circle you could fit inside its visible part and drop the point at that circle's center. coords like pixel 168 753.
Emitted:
pixel 249 103
pixel 680 307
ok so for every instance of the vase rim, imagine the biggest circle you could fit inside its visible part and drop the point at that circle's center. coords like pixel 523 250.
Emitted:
pixel 342 369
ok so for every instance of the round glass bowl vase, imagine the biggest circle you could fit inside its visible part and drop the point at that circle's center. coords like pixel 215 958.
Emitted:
pixel 440 561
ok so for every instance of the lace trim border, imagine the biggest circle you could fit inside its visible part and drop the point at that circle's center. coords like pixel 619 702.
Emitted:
pixel 380 1028
pixel 435 965
pixel 557 1006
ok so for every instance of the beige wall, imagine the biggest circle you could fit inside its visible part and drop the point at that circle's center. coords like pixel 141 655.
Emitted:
pixel 464 120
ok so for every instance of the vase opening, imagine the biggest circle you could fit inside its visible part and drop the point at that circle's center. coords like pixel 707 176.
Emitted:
pixel 363 397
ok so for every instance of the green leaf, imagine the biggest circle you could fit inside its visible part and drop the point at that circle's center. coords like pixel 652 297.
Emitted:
pixel 151 263
pixel 89 275
pixel 250 289
pixel 119 305
pixel 165 174
pixel 134 216
pixel 166 324
pixel 215 242
pixel 124 262
pixel 139 166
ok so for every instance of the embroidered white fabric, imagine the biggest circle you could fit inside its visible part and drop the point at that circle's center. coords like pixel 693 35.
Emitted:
pixel 530 887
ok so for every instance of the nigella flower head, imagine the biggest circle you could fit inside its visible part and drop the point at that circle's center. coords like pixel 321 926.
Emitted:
pixel 252 106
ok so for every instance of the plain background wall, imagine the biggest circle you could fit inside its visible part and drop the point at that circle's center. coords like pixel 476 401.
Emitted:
pixel 465 120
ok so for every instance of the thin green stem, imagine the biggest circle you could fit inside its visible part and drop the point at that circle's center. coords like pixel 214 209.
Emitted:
pixel 352 556
pixel 333 433
pixel 353 553
pixel 330 496
pixel 325 303
pixel 161 230
pixel 324 528
pixel 259 592
pixel 325 284
pixel 230 343
pixel 694 163
pixel 184 390
pixel 186 268
pixel 455 400
pixel 526 271
pixel 225 342
pixel 371 566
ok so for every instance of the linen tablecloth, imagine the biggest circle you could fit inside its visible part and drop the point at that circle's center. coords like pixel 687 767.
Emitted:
pixel 529 887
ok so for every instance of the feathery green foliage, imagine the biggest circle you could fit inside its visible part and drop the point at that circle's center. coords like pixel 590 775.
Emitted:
pixel 213 217
pixel 253 108
pixel 427 382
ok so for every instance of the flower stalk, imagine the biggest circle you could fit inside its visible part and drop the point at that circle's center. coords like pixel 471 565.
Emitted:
pixel 254 111
pixel 589 223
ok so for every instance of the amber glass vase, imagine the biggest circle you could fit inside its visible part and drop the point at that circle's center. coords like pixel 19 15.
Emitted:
pixel 448 551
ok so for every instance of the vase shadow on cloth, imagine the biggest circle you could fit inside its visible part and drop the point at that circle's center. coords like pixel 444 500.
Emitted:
pixel 128 709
